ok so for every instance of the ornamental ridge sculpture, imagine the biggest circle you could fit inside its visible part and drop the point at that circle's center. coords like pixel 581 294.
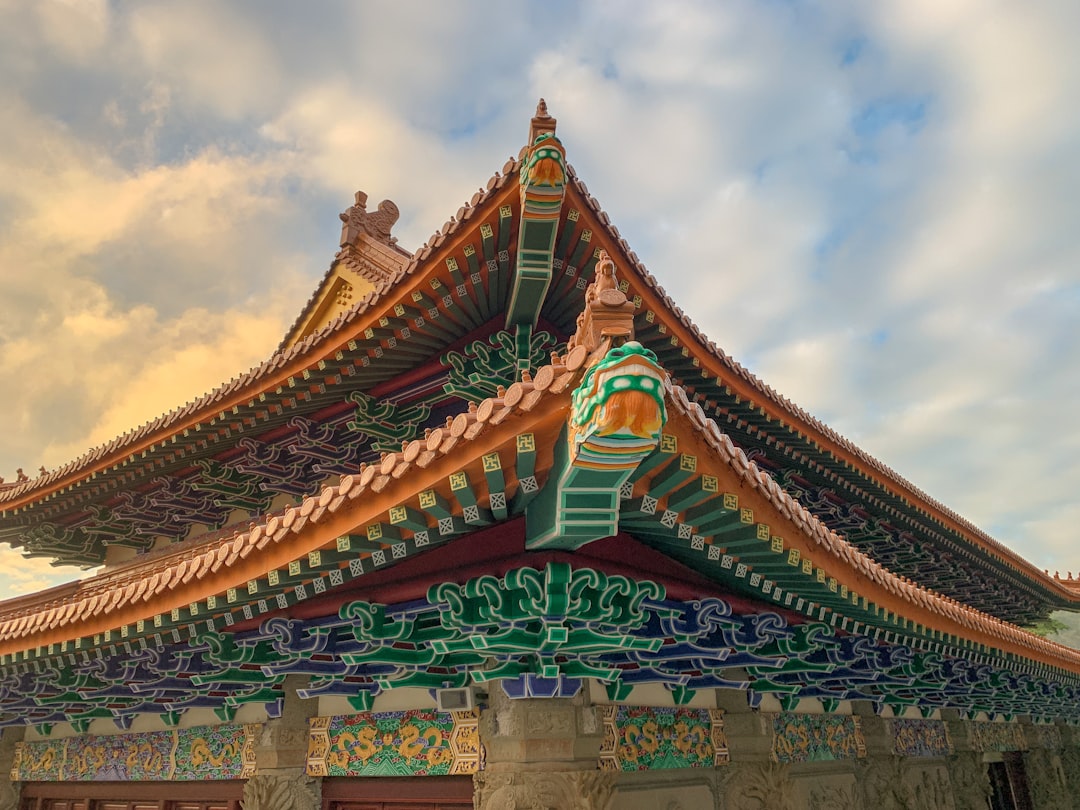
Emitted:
pixel 617 414
pixel 357 220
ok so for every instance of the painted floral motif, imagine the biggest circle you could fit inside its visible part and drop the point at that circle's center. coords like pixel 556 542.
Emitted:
pixel 408 743
pixel 816 738
pixel 997 737
pixel 920 738
pixel 638 738
pixel 211 752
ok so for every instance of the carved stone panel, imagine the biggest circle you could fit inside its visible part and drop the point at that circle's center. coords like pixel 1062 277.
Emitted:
pixel 290 791
pixel 759 786
pixel 832 797
pixel 1070 764
pixel 9 794
pixel 551 790
pixel 970 781
pixel 1047 781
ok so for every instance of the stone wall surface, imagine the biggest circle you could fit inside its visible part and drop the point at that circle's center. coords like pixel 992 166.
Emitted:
pixel 9 791
pixel 547 754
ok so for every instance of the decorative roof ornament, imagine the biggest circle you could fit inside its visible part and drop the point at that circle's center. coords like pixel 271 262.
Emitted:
pixel 617 415
pixel 608 317
pixel 541 123
pixel 618 410
pixel 542 179
pixel 356 220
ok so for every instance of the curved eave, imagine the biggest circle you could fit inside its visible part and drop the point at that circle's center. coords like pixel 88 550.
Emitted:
pixel 207 571
pixel 284 367
pixel 760 397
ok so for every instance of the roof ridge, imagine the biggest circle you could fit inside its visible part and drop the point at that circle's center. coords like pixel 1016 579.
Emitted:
pixel 785 403
pixel 836 545
pixel 277 358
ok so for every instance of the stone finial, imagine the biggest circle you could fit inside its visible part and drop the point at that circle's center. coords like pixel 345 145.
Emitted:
pixel 541 123
pixel 356 219
pixel 20 476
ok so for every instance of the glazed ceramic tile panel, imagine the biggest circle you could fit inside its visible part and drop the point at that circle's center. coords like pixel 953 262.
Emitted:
pixel 816 738
pixel 641 738
pixel 405 743
pixel 920 738
pixel 190 754
pixel 997 737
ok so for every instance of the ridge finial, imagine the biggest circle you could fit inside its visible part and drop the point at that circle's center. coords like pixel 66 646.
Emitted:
pixel 542 123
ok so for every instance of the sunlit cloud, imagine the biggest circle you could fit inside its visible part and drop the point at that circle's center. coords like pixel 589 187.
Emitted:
pixel 871 206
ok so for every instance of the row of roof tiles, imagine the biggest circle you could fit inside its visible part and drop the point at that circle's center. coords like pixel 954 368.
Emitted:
pixel 839 548
pixel 278 360
pixel 495 184
pixel 106 594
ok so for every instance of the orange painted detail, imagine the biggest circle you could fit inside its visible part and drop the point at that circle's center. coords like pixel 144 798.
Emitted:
pixel 758 395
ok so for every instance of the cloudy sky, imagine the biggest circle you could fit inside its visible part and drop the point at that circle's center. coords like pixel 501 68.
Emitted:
pixel 871 205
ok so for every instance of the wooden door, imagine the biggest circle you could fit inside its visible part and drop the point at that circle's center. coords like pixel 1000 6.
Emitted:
pixel 209 795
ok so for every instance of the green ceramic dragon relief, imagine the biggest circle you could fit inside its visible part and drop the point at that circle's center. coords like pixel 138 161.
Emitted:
pixel 617 414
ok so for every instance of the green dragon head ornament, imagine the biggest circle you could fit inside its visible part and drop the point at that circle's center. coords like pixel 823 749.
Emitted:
pixel 618 411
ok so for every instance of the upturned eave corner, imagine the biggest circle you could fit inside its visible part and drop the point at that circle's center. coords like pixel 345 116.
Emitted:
pixel 615 421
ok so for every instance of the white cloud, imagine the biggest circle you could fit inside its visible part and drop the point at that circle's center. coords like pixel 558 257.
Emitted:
pixel 211 54
pixel 870 205
pixel 20 576
pixel 75 29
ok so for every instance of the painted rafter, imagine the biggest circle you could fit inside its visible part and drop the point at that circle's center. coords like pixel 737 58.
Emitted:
pixel 682 479
pixel 538 630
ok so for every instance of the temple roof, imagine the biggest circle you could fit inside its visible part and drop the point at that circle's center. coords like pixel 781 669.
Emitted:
pixel 514 457
pixel 210 456
pixel 378 534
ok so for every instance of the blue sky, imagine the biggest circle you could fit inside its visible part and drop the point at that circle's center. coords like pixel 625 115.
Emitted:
pixel 872 205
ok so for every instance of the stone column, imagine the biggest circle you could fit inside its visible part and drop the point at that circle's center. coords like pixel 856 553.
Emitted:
pixel 967 771
pixel 751 780
pixel 281 781
pixel 1070 761
pixel 542 755
pixel 9 791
